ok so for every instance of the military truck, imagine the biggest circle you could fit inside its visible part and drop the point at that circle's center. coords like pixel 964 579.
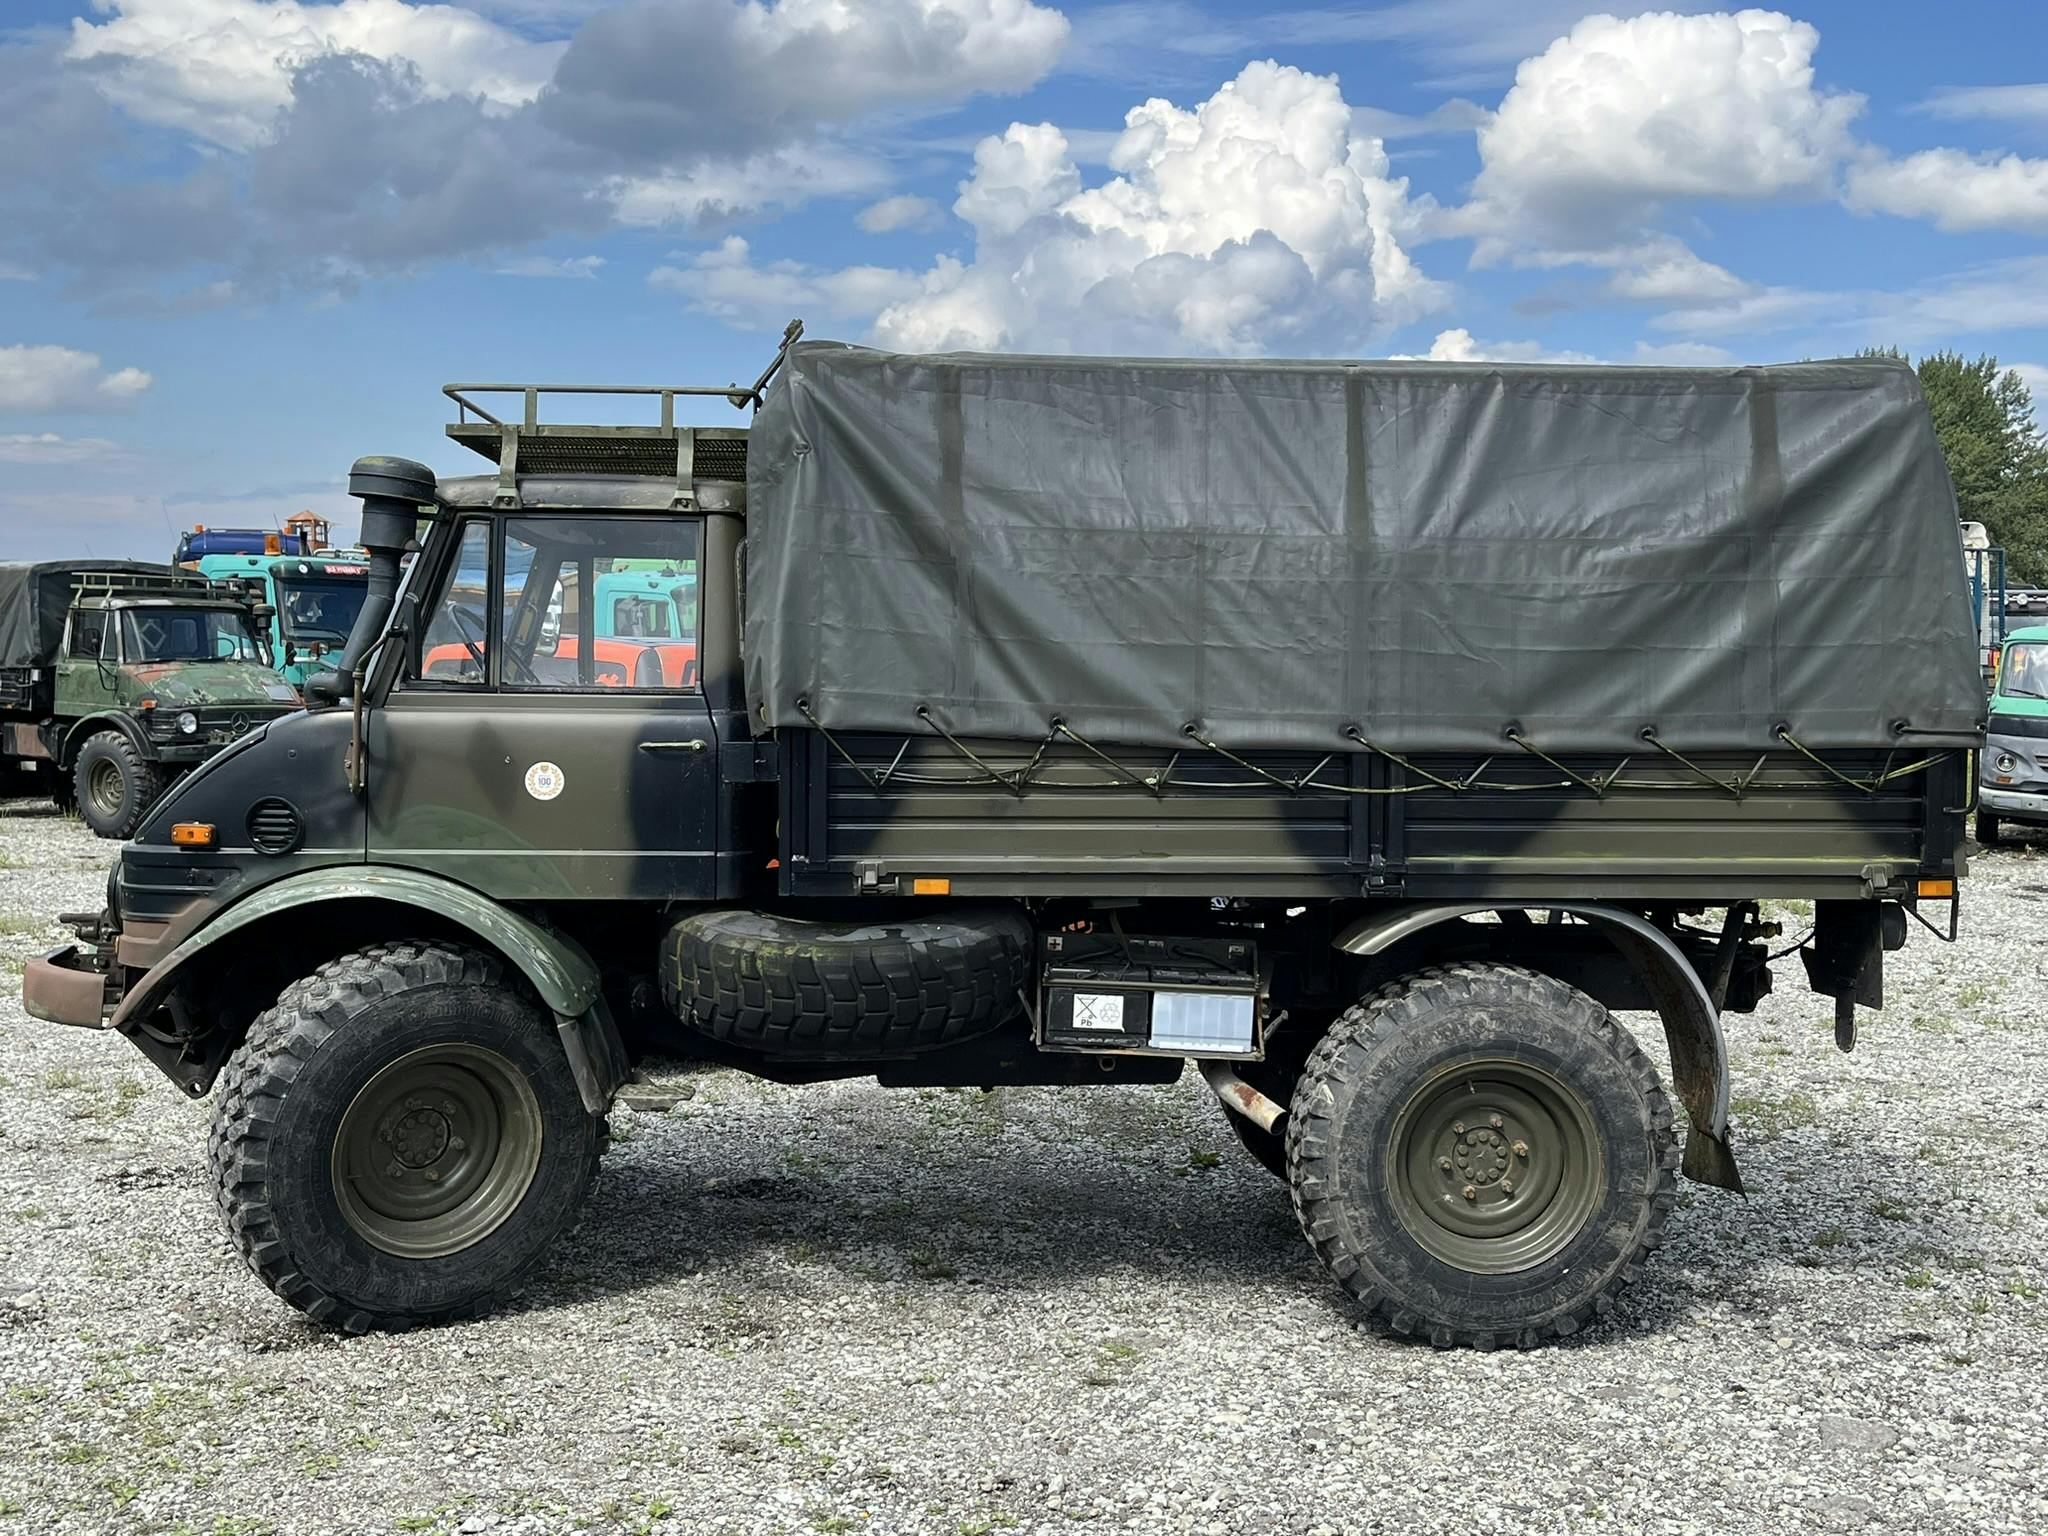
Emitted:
pixel 1364 734
pixel 118 677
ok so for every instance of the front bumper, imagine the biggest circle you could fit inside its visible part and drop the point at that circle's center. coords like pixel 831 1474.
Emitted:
pixel 59 988
pixel 2014 804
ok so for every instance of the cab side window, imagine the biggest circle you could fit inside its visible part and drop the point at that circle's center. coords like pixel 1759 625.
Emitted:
pixel 592 604
pixel 455 644
pixel 88 634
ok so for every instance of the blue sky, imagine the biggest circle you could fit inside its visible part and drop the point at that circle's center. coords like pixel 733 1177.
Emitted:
pixel 244 241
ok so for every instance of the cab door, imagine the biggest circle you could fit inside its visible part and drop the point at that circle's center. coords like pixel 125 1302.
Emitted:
pixel 524 753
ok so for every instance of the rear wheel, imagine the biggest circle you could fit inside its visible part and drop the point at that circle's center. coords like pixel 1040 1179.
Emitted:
pixel 114 784
pixel 400 1139
pixel 1480 1155
pixel 1987 830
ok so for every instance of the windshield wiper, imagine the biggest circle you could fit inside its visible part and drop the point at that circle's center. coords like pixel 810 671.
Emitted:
pixel 2021 693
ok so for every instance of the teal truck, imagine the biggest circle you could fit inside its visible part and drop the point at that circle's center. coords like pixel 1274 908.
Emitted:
pixel 2013 776
pixel 117 678
pixel 313 600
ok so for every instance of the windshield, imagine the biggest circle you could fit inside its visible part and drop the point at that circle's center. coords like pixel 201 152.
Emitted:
pixel 320 609
pixel 186 634
pixel 2023 672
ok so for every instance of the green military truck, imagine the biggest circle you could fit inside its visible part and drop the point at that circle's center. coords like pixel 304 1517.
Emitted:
pixel 1361 733
pixel 118 677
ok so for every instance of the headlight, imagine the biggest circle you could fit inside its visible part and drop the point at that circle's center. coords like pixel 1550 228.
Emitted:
pixel 2005 762
pixel 188 722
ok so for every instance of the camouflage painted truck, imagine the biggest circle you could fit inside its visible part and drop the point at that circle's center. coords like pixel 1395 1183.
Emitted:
pixel 1365 734
pixel 118 677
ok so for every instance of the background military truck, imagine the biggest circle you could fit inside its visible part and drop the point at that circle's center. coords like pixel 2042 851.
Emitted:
pixel 1363 733
pixel 116 677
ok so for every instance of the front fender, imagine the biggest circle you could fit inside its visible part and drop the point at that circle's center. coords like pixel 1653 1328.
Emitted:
pixel 1692 1022
pixel 82 731
pixel 559 971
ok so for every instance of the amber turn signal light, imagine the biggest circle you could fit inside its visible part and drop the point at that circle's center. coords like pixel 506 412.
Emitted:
pixel 192 834
pixel 931 887
pixel 1942 888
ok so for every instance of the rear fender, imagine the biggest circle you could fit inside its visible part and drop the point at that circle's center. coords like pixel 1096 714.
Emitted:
pixel 564 977
pixel 1692 1023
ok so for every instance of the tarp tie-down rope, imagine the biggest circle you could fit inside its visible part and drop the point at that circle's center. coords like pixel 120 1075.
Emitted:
pixel 1156 784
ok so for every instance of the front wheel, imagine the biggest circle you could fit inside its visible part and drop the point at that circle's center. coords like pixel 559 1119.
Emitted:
pixel 400 1139
pixel 114 785
pixel 1987 830
pixel 1481 1156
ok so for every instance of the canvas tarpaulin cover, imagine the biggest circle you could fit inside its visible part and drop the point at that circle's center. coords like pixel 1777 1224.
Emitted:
pixel 34 597
pixel 1281 552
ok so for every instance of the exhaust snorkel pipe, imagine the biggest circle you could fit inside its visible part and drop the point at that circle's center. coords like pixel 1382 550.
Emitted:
pixel 392 492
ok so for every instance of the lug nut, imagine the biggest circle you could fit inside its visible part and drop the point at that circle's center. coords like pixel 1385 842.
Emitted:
pixel 1507 1187
pixel 1457 1127
pixel 395 1171
pixel 456 1143
pixel 433 1175
pixel 1471 1193
pixel 1496 1122
pixel 1444 1163
pixel 1521 1149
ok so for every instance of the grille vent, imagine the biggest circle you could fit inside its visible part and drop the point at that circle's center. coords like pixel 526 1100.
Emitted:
pixel 275 826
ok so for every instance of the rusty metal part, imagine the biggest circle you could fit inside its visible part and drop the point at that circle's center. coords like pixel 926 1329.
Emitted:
pixel 1240 1097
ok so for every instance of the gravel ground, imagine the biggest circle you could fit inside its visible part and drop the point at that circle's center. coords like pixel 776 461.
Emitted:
pixel 842 1310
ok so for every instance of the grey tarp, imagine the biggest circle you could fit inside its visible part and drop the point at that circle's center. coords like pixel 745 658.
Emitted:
pixel 35 596
pixel 1431 553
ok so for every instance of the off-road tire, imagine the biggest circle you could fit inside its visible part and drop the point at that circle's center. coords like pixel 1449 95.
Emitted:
pixel 108 755
pixel 286 1091
pixel 866 991
pixel 1987 831
pixel 1388 1054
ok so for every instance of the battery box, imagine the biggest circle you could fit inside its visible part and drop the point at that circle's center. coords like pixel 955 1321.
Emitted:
pixel 1161 996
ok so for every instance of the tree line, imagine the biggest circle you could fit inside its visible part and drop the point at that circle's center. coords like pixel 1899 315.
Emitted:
pixel 1996 450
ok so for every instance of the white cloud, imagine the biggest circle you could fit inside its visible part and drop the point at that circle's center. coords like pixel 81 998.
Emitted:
pixel 1459 346
pixel 222 69
pixel 1667 272
pixel 725 283
pixel 1958 192
pixel 582 268
pixel 49 448
pixel 2009 103
pixel 901 212
pixel 1622 117
pixel 49 380
pixel 1255 221
pixel 716 189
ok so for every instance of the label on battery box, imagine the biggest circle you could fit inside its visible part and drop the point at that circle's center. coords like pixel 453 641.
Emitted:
pixel 1099 1010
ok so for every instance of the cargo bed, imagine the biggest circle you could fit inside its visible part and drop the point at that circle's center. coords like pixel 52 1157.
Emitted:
pixel 874 813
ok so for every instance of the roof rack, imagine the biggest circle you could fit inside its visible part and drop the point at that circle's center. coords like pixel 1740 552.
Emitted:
pixel 188 584
pixel 531 446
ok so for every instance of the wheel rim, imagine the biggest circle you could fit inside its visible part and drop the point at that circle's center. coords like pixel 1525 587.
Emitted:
pixel 1495 1166
pixel 104 787
pixel 437 1150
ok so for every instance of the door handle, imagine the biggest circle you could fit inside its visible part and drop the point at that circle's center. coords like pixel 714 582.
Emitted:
pixel 675 746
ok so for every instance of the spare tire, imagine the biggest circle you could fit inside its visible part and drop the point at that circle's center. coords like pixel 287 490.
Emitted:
pixel 864 991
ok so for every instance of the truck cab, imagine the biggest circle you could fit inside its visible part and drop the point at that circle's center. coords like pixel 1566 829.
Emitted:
pixel 2013 771
pixel 308 602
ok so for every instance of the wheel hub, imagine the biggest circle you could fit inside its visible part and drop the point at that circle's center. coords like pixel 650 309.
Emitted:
pixel 420 1135
pixel 1494 1166
pixel 436 1150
